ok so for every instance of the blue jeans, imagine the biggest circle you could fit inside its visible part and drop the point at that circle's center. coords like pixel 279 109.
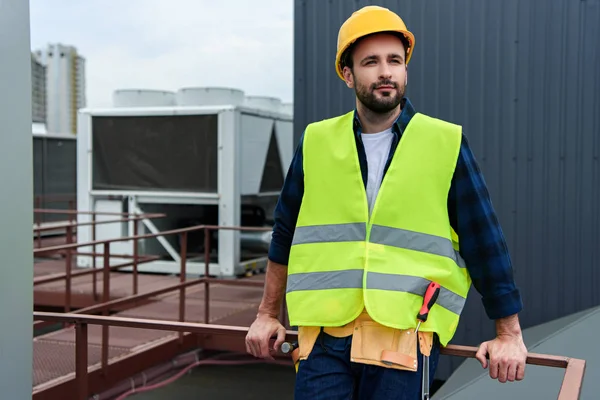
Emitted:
pixel 329 374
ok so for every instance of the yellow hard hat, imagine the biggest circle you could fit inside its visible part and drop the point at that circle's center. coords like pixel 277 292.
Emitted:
pixel 367 20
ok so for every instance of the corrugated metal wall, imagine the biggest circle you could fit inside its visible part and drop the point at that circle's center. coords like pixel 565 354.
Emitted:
pixel 523 78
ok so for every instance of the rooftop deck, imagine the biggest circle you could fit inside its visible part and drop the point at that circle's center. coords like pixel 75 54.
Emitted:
pixel 116 325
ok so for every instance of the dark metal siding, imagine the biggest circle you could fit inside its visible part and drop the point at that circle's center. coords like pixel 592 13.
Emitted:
pixel 55 175
pixel 523 78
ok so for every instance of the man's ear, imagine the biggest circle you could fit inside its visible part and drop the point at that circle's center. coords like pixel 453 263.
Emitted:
pixel 348 77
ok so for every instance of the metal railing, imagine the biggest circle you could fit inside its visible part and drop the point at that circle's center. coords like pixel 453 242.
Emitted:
pixel 42 201
pixel 68 252
pixel 106 304
pixel 570 388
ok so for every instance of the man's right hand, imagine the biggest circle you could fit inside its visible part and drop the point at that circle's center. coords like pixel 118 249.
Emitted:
pixel 260 333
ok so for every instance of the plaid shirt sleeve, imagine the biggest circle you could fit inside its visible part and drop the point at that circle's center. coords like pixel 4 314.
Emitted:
pixel 287 209
pixel 482 243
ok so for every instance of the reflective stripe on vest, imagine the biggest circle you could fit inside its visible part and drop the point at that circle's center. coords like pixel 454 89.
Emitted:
pixel 353 279
pixel 379 234
pixel 343 260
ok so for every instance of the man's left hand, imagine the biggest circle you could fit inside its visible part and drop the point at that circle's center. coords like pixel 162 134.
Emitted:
pixel 507 356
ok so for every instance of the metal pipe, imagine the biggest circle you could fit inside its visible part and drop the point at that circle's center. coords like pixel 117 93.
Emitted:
pixel 105 299
pixel 38 219
pixel 95 277
pixel 182 278
pixel 135 257
pixel 68 266
pixel 80 224
pixel 58 211
pixel 53 249
pixel 206 274
pixel 81 360
pixel 40 280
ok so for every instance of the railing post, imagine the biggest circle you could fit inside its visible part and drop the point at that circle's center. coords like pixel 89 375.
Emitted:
pixel 69 265
pixel 38 221
pixel 206 271
pixel 81 360
pixel 135 255
pixel 105 299
pixel 95 279
pixel 182 279
pixel 571 385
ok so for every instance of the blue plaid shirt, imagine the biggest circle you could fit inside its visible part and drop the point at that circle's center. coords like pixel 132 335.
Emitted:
pixel 472 216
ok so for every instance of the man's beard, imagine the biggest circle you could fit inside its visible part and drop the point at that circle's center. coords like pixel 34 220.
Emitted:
pixel 383 105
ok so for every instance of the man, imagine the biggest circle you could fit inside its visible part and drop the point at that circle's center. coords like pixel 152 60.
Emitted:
pixel 378 203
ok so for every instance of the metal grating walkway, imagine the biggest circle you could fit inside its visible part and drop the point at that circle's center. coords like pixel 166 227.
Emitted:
pixel 54 353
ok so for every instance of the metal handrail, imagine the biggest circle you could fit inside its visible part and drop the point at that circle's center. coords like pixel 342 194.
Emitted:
pixel 69 253
pixel 106 304
pixel 570 388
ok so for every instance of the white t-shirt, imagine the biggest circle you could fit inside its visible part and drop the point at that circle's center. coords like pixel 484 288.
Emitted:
pixel 377 148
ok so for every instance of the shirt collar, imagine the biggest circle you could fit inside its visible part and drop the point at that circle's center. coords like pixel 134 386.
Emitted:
pixel 399 125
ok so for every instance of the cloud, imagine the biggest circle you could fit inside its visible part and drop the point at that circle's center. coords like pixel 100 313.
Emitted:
pixel 167 45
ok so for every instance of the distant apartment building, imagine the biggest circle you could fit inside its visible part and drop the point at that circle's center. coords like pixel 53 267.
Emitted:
pixel 38 90
pixel 65 87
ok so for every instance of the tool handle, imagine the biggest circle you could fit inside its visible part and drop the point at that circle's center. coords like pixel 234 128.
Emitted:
pixel 431 295
pixel 287 347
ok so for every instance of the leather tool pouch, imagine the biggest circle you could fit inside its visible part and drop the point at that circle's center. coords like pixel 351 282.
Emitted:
pixel 373 344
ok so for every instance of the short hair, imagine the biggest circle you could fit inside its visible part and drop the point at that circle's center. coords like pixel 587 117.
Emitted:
pixel 346 58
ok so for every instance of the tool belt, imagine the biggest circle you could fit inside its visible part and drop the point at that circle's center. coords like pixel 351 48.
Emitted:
pixel 372 343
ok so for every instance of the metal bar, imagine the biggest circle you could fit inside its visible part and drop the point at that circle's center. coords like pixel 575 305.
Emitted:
pixel 81 360
pixel 182 279
pixel 147 236
pixel 57 277
pixel 134 299
pixel 68 266
pixel 206 275
pixel 139 323
pixel 135 257
pixel 573 380
pixel 143 296
pixel 80 224
pixel 570 389
pixel 545 360
pixel 105 299
pixel 58 211
pixel 113 255
pixel 193 327
pixel 38 219
pixel 94 277
pixel 71 207
pixel 160 236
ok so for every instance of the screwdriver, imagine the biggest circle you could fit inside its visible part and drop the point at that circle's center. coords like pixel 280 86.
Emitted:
pixel 431 295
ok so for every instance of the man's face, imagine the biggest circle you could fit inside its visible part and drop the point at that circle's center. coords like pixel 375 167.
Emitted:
pixel 379 73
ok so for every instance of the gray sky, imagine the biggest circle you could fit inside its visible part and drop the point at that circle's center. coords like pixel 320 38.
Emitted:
pixel 169 44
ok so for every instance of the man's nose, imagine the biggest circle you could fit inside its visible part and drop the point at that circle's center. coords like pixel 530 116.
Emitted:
pixel 385 72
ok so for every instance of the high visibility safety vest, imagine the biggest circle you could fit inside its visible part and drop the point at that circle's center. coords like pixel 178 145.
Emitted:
pixel 342 260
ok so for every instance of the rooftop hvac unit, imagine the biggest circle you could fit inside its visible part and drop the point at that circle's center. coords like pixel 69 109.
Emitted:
pixel 205 164
pixel 263 103
pixel 143 98
pixel 287 108
pixel 210 96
